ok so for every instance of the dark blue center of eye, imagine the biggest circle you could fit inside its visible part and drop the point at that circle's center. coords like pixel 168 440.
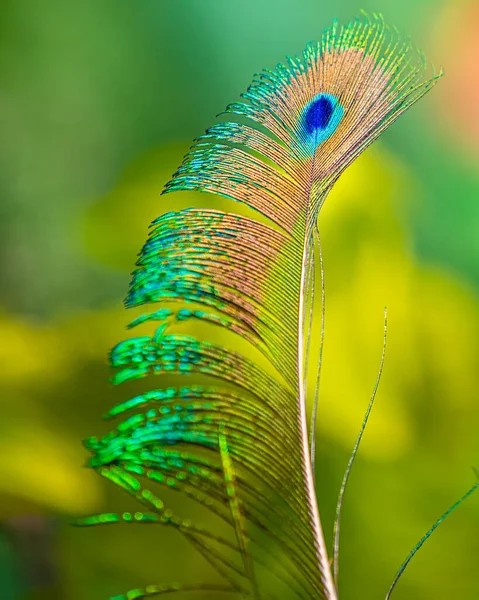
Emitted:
pixel 319 114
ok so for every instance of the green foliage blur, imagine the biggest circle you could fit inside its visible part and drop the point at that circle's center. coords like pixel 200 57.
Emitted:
pixel 99 100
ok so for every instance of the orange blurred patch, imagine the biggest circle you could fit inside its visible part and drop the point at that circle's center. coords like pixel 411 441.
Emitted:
pixel 457 45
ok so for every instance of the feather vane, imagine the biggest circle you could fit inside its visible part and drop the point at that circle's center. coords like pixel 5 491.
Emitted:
pixel 239 446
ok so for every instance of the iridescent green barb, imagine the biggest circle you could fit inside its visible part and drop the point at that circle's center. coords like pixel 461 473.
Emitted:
pixel 428 534
pixel 238 444
pixel 344 483
pixel 237 511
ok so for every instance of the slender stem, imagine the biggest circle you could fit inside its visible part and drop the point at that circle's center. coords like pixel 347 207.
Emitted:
pixel 337 522
pixel 310 283
pixel 314 415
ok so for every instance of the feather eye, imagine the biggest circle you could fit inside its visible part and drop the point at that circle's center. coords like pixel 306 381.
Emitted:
pixel 320 119
pixel 238 444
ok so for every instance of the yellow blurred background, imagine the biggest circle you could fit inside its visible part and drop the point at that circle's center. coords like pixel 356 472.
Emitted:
pixel 99 101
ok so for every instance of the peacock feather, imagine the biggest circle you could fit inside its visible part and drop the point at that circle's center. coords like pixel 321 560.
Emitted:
pixel 230 432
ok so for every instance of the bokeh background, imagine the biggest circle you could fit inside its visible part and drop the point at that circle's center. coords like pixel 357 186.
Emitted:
pixel 99 100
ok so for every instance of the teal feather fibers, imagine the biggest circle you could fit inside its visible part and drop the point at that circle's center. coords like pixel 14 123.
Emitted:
pixel 238 444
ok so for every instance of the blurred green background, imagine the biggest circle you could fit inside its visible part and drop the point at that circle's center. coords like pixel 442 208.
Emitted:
pixel 99 101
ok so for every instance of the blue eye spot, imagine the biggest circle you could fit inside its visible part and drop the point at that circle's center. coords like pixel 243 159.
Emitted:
pixel 318 114
pixel 319 120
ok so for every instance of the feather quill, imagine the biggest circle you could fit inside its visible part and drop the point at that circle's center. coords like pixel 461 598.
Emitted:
pixel 239 445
